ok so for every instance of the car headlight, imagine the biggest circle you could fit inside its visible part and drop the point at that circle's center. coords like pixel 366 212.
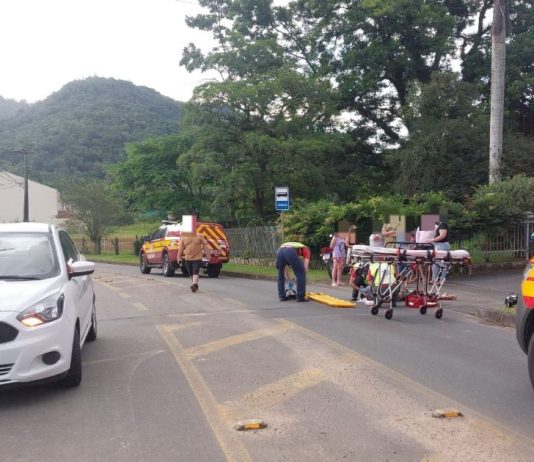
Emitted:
pixel 47 310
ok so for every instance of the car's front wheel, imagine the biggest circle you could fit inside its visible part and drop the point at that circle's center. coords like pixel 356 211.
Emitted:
pixel 531 359
pixel 74 374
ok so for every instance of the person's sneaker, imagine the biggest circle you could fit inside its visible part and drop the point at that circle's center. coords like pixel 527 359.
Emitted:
pixel 194 287
pixel 301 300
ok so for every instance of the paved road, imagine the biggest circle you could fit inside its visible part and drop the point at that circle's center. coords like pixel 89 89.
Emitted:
pixel 173 371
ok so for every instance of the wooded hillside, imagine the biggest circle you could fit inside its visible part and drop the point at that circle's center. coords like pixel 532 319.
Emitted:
pixel 84 126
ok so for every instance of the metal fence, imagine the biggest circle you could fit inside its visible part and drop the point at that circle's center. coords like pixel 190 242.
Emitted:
pixel 512 243
pixel 258 242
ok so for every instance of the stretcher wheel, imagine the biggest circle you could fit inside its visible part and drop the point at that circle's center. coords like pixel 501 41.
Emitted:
pixel 422 310
pixel 388 314
pixel 374 310
pixel 439 313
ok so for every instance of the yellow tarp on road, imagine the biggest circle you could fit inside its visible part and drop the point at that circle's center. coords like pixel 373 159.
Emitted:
pixel 329 300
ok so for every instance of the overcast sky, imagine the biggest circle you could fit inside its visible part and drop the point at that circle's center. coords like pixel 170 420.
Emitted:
pixel 45 44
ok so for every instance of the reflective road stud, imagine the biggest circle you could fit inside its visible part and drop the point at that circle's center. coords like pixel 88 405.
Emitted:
pixel 250 424
pixel 442 413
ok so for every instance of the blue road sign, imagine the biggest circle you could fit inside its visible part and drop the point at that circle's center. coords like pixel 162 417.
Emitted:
pixel 281 198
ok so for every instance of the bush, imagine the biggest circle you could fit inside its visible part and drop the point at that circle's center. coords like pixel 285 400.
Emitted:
pixel 490 208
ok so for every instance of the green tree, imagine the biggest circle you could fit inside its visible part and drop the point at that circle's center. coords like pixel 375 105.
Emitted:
pixel 96 206
pixel 446 149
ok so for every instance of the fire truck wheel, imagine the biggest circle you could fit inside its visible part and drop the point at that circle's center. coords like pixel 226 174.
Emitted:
pixel 168 269
pixel 214 270
pixel 142 265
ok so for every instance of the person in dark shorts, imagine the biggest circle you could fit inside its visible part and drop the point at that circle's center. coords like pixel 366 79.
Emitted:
pixel 193 247
pixel 297 256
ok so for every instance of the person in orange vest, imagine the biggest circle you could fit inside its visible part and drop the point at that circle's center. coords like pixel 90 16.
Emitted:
pixel 297 256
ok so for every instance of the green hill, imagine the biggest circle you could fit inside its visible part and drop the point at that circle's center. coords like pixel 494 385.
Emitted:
pixel 83 127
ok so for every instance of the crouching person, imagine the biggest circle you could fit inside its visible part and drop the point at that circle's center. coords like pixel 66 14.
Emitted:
pixel 297 256
pixel 358 281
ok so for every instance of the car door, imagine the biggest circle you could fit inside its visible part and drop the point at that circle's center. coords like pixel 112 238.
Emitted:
pixel 158 245
pixel 79 289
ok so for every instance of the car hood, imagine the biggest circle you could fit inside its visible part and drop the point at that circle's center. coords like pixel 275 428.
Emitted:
pixel 19 295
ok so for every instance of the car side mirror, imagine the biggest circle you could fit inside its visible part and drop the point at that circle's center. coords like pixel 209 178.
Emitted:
pixel 80 268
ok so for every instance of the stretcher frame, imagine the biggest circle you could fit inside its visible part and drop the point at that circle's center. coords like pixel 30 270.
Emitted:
pixel 417 260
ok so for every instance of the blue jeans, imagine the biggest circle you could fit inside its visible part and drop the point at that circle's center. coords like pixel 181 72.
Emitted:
pixel 442 266
pixel 287 256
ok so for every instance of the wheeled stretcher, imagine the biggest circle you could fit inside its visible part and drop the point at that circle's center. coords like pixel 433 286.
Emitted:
pixel 391 268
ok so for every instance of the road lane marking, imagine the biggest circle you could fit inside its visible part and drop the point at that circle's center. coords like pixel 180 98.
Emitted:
pixel 272 394
pixel 209 313
pixel 476 421
pixel 232 447
pixel 226 342
pixel 125 295
pixel 234 302
pixel 140 306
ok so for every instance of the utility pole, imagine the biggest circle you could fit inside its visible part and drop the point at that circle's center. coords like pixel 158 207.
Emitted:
pixel 499 30
pixel 26 199
pixel 26 206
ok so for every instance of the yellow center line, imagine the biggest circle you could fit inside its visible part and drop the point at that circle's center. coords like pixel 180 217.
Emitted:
pixel 226 342
pixel 233 449
pixel 234 302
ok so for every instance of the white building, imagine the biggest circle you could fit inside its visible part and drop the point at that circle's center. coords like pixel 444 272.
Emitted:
pixel 43 201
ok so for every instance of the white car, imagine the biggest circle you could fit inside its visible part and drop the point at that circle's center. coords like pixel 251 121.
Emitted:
pixel 47 305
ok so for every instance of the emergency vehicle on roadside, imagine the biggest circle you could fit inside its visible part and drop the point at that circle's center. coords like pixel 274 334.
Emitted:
pixel 525 317
pixel 160 249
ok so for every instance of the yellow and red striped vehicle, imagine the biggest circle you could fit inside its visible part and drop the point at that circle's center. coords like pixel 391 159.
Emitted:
pixel 524 319
pixel 160 249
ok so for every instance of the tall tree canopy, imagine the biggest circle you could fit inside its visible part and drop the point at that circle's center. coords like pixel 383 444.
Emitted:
pixel 340 99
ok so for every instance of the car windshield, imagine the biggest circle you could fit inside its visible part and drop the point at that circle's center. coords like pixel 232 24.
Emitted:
pixel 26 256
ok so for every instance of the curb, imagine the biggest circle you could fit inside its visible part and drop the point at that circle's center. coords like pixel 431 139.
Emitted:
pixel 259 277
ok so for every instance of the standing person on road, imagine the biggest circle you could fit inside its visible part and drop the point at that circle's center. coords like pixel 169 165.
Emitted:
pixel 193 247
pixel 339 254
pixel 297 256
pixel 440 242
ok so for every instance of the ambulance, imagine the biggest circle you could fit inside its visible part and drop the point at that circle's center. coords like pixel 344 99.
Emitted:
pixel 160 249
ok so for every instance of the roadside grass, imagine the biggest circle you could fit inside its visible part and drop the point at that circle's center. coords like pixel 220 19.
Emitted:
pixel 507 311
